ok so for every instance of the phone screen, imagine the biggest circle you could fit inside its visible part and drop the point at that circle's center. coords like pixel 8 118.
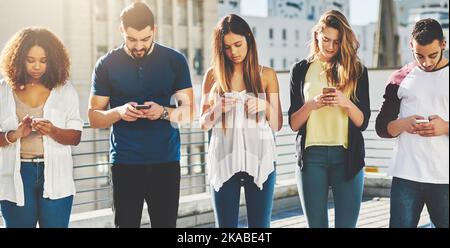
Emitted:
pixel 140 107
pixel 327 90
pixel 421 121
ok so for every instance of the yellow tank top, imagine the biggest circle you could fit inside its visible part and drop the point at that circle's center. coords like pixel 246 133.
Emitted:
pixel 327 126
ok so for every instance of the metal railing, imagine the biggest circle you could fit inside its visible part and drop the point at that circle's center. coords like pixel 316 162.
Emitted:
pixel 92 170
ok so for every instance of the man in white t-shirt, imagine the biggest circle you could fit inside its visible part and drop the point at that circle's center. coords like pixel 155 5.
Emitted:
pixel 416 112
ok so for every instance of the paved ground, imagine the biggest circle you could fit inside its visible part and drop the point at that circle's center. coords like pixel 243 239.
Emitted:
pixel 374 214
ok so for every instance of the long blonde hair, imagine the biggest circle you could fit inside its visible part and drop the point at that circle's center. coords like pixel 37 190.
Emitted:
pixel 345 68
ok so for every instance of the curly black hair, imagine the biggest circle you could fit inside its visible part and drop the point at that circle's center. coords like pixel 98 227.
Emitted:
pixel 13 58
pixel 426 31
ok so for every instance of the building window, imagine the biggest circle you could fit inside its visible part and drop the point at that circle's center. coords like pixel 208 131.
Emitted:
pixel 101 50
pixel 198 61
pixel 271 33
pixel 297 35
pixel 182 12
pixel 284 63
pixel 234 4
pixel 167 9
pixel 272 63
pixel 197 12
pixel 311 14
pixel 254 31
pixel 101 13
pixel 284 34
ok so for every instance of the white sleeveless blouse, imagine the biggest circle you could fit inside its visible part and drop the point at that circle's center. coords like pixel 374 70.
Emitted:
pixel 246 145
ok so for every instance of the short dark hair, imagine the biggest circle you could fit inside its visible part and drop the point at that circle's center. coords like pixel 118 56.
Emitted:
pixel 13 57
pixel 138 16
pixel 426 31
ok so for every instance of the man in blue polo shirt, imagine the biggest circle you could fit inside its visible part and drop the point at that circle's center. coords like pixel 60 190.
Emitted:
pixel 139 81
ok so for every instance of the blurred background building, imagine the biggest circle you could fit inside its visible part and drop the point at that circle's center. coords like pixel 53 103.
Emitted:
pixel 90 28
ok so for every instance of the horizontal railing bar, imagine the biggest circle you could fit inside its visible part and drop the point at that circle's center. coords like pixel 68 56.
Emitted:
pixel 89 178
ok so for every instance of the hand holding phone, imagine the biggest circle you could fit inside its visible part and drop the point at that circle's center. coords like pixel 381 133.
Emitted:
pixel 37 119
pixel 328 95
pixel 328 90
pixel 422 121
pixel 142 107
pixel 34 121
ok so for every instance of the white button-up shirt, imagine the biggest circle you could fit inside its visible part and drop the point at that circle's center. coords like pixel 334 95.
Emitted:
pixel 62 109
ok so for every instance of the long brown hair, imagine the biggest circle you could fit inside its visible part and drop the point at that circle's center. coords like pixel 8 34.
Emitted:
pixel 345 68
pixel 223 67
pixel 13 58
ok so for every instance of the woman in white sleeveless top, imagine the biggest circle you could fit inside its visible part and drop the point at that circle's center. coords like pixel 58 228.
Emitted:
pixel 240 102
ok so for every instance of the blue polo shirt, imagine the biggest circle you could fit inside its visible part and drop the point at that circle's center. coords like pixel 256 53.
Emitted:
pixel 156 78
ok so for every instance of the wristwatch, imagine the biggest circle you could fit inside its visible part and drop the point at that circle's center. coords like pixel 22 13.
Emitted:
pixel 165 114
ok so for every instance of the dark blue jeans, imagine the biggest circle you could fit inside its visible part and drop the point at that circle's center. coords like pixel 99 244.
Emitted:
pixel 259 202
pixel 408 199
pixel 324 168
pixel 49 213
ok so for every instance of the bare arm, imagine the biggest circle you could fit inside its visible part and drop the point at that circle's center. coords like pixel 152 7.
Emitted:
pixel 355 114
pixel 99 117
pixel 63 136
pixel 184 113
pixel 209 115
pixel 299 118
pixel 23 130
pixel 3 142
pixel 66 136
pixel 273 112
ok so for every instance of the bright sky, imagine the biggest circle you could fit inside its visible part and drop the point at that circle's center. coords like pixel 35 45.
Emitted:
pixel 359 14
pixel 254 7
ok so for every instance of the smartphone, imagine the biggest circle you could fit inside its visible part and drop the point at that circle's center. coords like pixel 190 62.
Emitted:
pixel 141 107
pixel 229 95
pixel 327 90
pixel 233 96
pixel 422 121
pixel 34 121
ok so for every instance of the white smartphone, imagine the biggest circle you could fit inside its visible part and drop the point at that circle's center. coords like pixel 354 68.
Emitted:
pixel 229 95
pixel 36 120
pixel 422 121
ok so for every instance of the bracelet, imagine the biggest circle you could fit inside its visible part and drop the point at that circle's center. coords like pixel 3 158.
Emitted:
pixel 6 137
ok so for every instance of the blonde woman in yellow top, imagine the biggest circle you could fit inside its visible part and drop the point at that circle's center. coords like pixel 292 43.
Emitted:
pixel 329 109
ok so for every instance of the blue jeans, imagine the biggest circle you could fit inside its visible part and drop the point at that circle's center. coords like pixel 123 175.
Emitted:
pixel 259 202
pixel 49 213
pixel 325 167
pixel 408 199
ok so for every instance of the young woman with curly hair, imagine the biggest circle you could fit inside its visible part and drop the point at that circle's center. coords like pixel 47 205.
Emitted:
pixel 39 121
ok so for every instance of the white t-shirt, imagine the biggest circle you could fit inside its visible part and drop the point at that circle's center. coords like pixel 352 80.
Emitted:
pixel 417 158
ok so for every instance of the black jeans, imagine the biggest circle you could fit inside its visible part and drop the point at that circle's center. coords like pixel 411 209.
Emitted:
pixel 157 184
